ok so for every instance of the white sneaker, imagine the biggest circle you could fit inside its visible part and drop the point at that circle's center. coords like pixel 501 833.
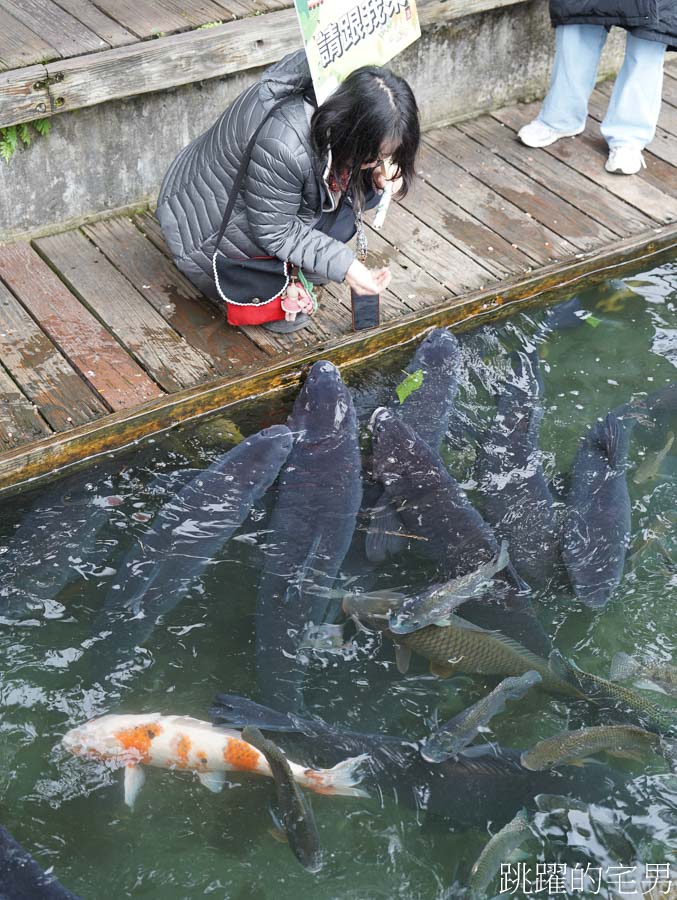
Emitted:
pixel 626 160
pixel 538 134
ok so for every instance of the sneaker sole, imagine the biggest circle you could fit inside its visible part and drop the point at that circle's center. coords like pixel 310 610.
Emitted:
pixel 540 144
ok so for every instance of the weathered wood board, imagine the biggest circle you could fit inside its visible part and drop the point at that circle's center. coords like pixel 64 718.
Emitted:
pixel 119 430
pixel 101 361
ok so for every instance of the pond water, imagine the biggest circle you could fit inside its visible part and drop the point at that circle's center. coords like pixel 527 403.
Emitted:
pixel 60 549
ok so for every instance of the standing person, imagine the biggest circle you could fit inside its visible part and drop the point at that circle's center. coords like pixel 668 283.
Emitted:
pixel 630 121
pixel 311 173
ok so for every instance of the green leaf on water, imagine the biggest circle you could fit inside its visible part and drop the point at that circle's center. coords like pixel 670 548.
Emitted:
pixel 592 321
pixel 410 384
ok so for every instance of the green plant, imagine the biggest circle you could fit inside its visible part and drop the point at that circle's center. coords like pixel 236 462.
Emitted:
pixel 208 25
pixel 13 135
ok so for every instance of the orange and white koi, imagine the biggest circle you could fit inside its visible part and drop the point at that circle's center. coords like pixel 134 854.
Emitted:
pixel 184 743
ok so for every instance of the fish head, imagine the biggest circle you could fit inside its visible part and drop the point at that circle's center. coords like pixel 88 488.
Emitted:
pixel 323 407
pixel 373 610
pixel 266 450
pixel 439 352
pixel 545 755
pixel 125 738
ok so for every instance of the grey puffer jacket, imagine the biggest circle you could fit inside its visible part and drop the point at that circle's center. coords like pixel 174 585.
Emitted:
pixel 283 196
pixel 654 20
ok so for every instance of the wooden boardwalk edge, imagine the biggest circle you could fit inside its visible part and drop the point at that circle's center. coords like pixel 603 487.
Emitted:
pixel 121 430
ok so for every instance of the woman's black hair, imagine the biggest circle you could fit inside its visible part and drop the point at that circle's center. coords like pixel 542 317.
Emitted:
pixel 373 107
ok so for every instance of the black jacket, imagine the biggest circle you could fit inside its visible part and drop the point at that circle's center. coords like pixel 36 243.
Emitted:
pixel 654 20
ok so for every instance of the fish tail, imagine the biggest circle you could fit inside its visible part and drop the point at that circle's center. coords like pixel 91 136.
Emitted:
pixel 341 780
pixel 623 667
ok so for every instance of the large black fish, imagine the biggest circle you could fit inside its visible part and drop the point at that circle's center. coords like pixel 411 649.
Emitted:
pixel 311 528
pixel 21 878
pixel 596 528
pixel 516 498
pixel 434 369
pixel 434 507
pixel 54 543
pixel 185 536
pixel 480 783
pixel 429 500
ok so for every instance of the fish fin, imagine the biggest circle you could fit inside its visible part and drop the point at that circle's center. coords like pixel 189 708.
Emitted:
pixel 611 439
pixel 440 670
pixel 339 781
pixel 134 779
pixel 623 667
pixel 402 658
pixel 279 835
pixel 383 539
pixel 213 781
pixel 232 711
pixel 502 557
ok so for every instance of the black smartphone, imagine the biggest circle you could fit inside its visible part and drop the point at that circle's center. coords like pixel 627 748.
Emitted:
pixel 365 310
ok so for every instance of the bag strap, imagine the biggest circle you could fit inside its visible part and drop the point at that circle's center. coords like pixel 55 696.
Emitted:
pixel 242 170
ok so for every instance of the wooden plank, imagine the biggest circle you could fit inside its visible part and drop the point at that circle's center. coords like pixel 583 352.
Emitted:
pixel 165 356
pixel 616 215
pixel 548 285
pixel 168 62
pixel 20 46
pixel 529 196
pixel 670 89
pixel 664 145
pixel 414 287
pixel 154 18
pixel 62 398
pixel 23 95
pixel 267 341
pixel 587 156
pixel 20 421
pixel 432 252
pixel 522 231
pixel 100 360
pixel 108 29
pixel 460 228
pixel 200 322
pixel 65 33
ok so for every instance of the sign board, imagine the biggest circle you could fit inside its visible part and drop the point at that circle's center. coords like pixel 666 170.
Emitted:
pixel 341 35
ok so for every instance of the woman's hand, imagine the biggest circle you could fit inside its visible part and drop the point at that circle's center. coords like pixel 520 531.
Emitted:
pixel 366 281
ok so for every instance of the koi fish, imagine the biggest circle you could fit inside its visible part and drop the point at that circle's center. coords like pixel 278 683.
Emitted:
pixel 181 742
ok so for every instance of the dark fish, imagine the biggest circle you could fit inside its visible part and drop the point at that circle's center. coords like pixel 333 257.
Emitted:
pixel 21 878
pixel 596 528
pixel 186 534
pixel 516 498
pixel 54 542
pixel 456 734
pixel 311 528
pixel 429 500
pixel 426 411
pixel 602 692
pixel 293 809
pixel 563 316
pixel 479 784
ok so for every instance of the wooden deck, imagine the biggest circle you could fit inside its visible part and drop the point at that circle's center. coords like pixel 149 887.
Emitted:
pixel 98 329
